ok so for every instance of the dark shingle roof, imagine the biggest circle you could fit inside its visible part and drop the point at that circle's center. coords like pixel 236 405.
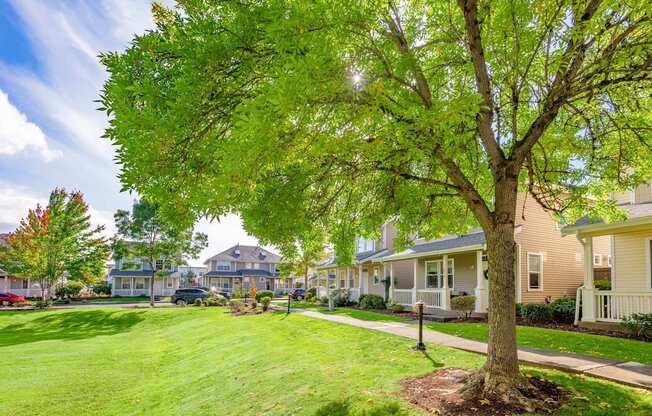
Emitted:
pixel 471 239
pixel 253 254
pixel 633 211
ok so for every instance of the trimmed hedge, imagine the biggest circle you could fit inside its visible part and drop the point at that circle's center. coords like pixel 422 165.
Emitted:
pixel 602 284
pixel 563 310
pixel 372 302
pixel 537 312
pixel 264 294
pixel 639 324
pixel 464 305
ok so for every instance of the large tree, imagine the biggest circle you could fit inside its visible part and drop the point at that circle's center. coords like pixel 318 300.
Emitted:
pixel 55 242
pixel 337 115
pixel 144 236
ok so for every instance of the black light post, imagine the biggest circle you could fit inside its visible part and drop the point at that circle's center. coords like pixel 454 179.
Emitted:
pixel 420 345
pixel 289 300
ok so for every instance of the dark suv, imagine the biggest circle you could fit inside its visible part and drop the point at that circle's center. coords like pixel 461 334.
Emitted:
pixel 189 295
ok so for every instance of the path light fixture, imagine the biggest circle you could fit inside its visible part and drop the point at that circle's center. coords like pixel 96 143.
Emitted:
pixel 289 300
pixel 420 345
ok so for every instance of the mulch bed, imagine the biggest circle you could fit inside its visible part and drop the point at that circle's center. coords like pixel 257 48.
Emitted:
pixel 438 393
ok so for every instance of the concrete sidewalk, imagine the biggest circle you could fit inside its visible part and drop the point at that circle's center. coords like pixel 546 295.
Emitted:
pixel 629 373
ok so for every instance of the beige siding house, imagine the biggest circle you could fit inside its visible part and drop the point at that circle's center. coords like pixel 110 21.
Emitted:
pixel 548 265
pixel 631 254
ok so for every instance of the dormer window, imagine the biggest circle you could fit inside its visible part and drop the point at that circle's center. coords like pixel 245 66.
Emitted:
pixel 236 252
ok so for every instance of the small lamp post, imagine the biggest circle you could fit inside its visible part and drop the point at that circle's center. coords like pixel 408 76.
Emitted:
pixel 289 300
pixel 420 345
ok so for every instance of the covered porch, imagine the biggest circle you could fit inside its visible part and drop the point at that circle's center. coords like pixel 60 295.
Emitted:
pixel 630 280
pixel 435 278
pixel 331 277
pixel 23 287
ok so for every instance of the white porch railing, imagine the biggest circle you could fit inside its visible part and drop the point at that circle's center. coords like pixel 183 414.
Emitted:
pixel 614 306
pixel 144 292
pixel 402 296
pixel 432 298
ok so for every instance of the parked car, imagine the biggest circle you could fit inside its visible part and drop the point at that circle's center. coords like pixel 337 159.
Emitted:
pixel 298 294
pixel 188 296
pixel 11 298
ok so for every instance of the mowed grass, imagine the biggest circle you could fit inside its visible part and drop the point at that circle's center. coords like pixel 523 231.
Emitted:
pixel 352 312
pixel 558 340
pixel 202 361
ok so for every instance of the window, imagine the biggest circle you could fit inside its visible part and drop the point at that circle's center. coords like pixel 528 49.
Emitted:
pixel 223 265
pixel 435 274
pixel 159 265
pixel 535 271
pixel 19 284
pixel 256 265
pixel 169 283
pixel 364 244
pixel 124 283
pixel 139 283
pixel 597 259
pixel 376 278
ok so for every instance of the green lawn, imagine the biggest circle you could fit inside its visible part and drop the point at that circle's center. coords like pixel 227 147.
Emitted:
pixel 557 340
pixel 202 361
pixel 352 312
pixel 129 299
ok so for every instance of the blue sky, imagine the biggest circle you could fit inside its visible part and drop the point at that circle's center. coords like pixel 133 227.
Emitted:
pixel 49 127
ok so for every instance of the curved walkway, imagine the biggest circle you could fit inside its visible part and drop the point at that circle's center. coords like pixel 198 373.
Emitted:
pixel 630 373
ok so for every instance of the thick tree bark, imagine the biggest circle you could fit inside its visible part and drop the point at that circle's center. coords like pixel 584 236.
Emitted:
pixel 151 290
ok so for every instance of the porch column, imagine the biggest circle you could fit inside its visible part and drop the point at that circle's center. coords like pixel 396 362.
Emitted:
pixel 446 297
pixel 588 293
pixel 362 285
pixel 391 280
pixel 338 279
pixel 481 285
pixel 414 280
pixel 347 282
pixel 131 285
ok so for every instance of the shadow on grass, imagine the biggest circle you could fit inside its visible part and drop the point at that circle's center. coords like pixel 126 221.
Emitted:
pixel 69 326
pixel 344 408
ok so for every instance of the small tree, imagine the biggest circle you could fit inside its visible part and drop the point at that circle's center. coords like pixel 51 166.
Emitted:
pixel 144 235
pixel 300 256
pixel 55 242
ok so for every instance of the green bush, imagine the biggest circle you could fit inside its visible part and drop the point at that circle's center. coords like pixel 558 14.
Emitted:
pixel 102 289
pixel 397 308
pixel 238 294
pixel 43 304
pixel 265 302
pixel 323 300
pixel 215 300
pixel 463 305
pixel 198 302
pixel 537 312
pixel 310 298
pixel 311 292
pixel 341 298
pixel 639 324
pixel 602 284
pixel 563 310
pixel 264 294
pixel 519 310
pixel 70 289
pixel 372 302
pixel 235 305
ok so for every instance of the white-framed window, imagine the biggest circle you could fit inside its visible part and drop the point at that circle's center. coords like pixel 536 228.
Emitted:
pixel 435 274
pixel 169 283
pixel 376 277
pixel 535 271
pixel 139 283
pixel 125 283
pixel 609 261
pixel 256 265
pixel 247 265
pixel 597 259
pixel 261 279
pixel 223 265
pixel 364 244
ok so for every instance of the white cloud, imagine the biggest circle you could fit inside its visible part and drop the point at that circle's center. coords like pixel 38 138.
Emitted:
pixel 19 135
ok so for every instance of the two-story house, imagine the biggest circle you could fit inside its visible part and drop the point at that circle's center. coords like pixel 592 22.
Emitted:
pixel 131 277
pixel 630 257
pixel 241 267
pixel 548 265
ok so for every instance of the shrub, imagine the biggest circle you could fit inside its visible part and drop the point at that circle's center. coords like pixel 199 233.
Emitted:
pixel 310 298
pixel 463 305
pixel 102 289
pixel 238 294
pixel 602 284
pixel 537 312
pixel 254 304
pixel 198 302
pixel 265 302
pixel 372 302
pixel 215 300
pixel 264 294
pixel 43 304
pixel 341 298
pixel 563 310
pixel 397 308
pixel 639 324
pixel 311 292
pixel 235 305
pixel 70 289
pixel 519 310
pixel 323 300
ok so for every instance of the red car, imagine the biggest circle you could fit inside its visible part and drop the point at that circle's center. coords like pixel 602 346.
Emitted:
pixel 11 298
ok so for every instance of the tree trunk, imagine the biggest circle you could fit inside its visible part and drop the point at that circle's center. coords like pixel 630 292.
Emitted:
pixel 151 290
pixel 305 280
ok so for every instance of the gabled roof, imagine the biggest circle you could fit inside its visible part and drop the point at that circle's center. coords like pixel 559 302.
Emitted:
pixel 250 254
pixel 359 258
pixel 636 214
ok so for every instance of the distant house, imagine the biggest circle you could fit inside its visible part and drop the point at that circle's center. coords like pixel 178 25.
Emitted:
pixel 241 267
pixel 192 275
pixel 131 277
pixel 24 287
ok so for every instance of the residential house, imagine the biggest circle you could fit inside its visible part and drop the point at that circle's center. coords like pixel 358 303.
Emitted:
pixel 28 288
pixel 192 276
pixel 242 267
pixel 131 277
pixel 630 256
pixel 548 265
